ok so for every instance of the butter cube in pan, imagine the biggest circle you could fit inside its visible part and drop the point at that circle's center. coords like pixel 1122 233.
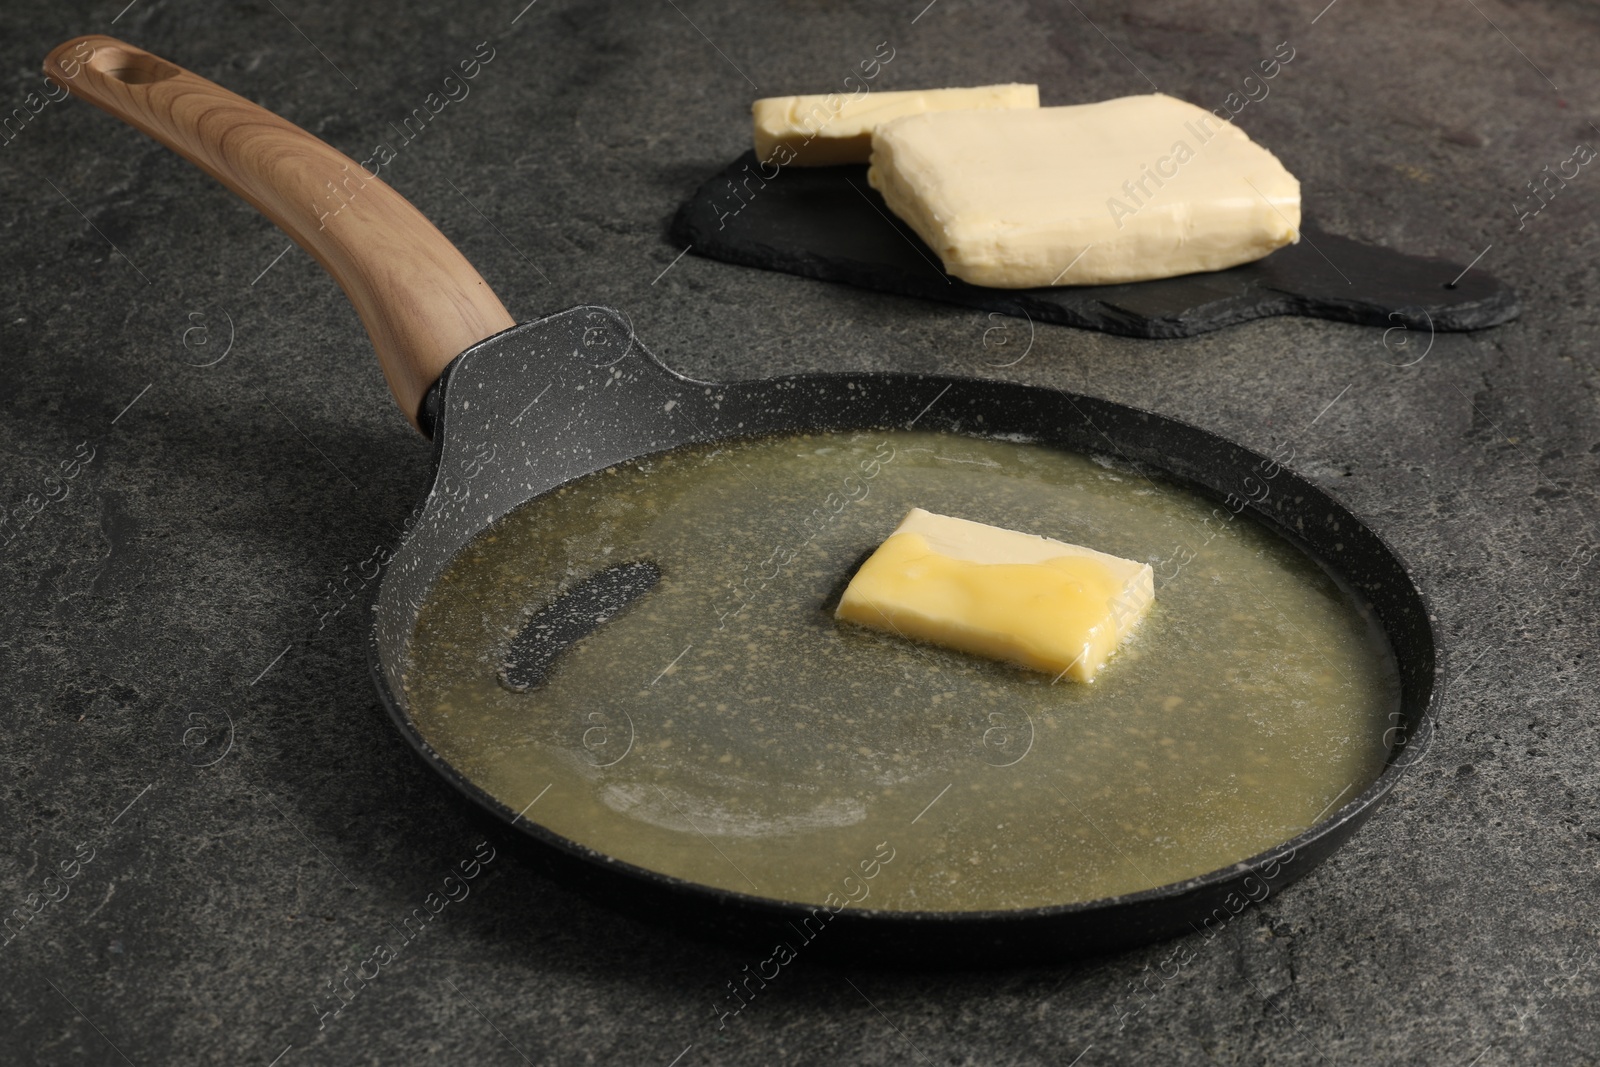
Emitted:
pixel 1095 194
pixel 1016 597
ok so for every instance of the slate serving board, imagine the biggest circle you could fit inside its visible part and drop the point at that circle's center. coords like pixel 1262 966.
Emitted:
pixel 827 223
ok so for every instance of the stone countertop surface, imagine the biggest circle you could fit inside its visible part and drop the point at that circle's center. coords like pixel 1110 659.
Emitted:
pixel 188 724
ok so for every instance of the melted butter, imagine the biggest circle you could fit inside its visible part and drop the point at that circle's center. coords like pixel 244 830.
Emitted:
pixel 726 729
pixel 1053 616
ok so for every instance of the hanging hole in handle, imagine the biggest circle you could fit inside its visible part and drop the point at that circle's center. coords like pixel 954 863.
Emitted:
pixel 134 68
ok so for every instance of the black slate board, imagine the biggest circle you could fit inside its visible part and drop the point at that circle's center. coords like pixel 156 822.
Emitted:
pixel 826 222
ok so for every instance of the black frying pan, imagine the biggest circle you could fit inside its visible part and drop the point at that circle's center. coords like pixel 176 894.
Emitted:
pixel 517 411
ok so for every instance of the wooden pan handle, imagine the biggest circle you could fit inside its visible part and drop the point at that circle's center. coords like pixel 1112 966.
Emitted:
pixel 420 300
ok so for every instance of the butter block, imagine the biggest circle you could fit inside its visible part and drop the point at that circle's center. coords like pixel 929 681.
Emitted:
pixel 1094 194
pixel 824 130
pixel 1028 600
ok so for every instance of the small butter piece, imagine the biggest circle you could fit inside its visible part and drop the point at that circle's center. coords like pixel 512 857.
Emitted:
pixel 1095 194
pixel 820 131
pixel 1009 596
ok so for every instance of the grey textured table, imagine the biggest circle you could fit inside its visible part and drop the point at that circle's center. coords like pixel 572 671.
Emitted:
pixel 189 730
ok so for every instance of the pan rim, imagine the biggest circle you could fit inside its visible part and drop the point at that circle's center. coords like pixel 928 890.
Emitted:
pixel 1415 740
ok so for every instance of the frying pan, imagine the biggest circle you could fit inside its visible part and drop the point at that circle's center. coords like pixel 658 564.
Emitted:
pixel 516 411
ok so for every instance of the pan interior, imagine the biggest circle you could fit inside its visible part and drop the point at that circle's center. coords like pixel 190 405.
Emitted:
pixel 725 730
